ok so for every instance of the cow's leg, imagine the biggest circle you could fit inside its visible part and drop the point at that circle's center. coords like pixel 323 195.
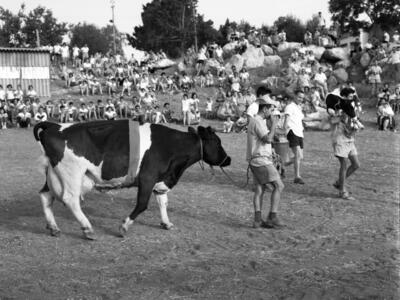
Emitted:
pixel 160 191
pixel 162 200
pixel 144 193
pixel 71 195
pixel 47 200
pixel 74 205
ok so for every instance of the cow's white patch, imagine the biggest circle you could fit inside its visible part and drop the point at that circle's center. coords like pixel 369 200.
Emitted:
pixel 161 188
pixel 162 201
pixel 145 142
pixel 64 126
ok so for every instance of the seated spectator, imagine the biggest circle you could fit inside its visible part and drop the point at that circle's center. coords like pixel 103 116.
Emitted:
pixel 374 76
pixel 10 96
pixel 111 86
pixel 394 100
pixel 19 93
pixel 83 113
pixel 84 88
pixel 41 115
pixel 385 116
pixel 3 118
pixel 228 125
pixel 167 113
pixel 209 79
pixel 24 119
pixel 226 110
pixel 110 113
pixel 122 107
pixel 157 117
pixel 241 123
pixel 63 114
pixel 71 112
pixel 138 114
pixel 100 109
pixel 92 115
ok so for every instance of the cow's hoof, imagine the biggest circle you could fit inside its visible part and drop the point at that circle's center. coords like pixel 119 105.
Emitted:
pixel 89 234
pixel 122 231
pixel 54 231
pixel 166 226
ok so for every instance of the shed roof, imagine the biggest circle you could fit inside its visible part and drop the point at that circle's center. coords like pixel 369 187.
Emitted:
pixel 28 50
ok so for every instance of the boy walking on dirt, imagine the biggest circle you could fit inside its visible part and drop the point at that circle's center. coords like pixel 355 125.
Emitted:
pixel 343 134
pixel 259 156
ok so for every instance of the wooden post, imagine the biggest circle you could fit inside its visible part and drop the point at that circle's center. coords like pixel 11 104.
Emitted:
pixel 37 38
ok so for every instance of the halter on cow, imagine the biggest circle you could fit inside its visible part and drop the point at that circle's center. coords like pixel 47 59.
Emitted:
pixel 81 156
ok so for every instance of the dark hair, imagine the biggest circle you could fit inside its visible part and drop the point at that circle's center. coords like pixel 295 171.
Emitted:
pixel 165 104
pixel 346 91
pixel 262 106
pixel 299 91
pixel 262 90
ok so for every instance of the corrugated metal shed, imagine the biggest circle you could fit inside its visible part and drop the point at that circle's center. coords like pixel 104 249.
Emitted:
pixel 26 66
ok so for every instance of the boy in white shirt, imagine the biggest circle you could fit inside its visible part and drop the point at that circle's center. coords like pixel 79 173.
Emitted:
pixel 294 131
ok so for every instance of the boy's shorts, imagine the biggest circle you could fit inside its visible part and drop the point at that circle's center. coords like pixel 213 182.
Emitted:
pixel 344 149
pixel 264 174
pixel 294 140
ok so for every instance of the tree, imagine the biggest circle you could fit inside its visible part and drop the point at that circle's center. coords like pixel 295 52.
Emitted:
pixel 20 29
pixel 10 30
pixel 50 31
pixel 169 25
pixel 97 39
pixel 312 24
pixel 293 27
pixel 385 13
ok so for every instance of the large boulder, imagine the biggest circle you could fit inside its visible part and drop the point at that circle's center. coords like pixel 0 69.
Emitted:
pixel 343 64
pixel 253 57
pixel 288 47
pixel 267 50
pixel 335 54
pixel 272 64
pixel 341 75
pixel 365 59
pixel 236 60
pixel 229 49
pixel 163 64
pixel 317 50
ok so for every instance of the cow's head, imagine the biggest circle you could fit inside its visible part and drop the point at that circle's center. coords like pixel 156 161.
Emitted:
pixel 347 103
pixel 213 152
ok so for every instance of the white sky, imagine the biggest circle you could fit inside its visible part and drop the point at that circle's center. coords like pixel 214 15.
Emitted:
pixel 128 12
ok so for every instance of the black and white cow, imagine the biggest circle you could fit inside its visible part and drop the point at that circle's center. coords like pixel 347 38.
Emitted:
pixel 78 157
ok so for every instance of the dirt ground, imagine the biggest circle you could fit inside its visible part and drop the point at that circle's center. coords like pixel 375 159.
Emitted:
pixel 330 249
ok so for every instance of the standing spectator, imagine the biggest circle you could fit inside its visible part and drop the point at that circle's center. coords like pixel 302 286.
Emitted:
pixel 85 52
pixel 294 131
pixel 386 39
pixel 19 93
pixel 396 37
pixel 2 93
pixel 41 115
pixel 259 157
pixel 65 53
pixel 374 77
pixel 24 118
pixel 3 118
pixel 321 21
pixel 76 61
pixel 185 105
pixel 209 108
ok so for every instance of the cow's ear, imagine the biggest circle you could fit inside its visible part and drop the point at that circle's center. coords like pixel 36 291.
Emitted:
pixel 202 131
pixel 210 130
pixel 192 130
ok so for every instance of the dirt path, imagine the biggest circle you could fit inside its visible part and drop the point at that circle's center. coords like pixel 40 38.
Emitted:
pixel 331 248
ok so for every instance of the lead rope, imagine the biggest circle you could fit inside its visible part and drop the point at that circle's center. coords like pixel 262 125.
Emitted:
pixel 201 162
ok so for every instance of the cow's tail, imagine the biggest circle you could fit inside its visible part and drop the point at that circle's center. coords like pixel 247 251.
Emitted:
pixel 42 126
